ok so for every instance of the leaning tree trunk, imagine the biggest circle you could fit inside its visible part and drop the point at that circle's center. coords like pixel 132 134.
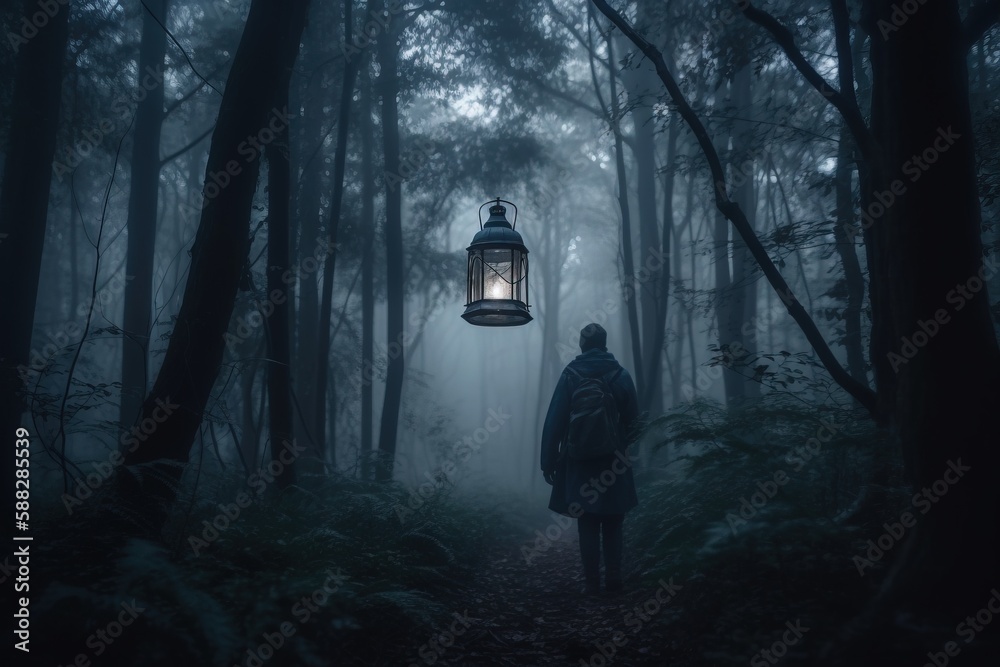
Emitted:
pixel 24 203
pixel 388 54
pixel 142 213
pixel 175 405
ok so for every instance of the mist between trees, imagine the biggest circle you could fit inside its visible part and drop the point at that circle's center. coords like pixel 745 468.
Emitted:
pixel 234 245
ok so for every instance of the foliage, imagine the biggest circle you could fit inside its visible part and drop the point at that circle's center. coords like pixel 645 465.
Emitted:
pixel 792 557
pixel 211 607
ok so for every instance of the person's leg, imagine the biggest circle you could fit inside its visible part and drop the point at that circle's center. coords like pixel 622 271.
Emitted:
pixel 613 537
pixel 590 550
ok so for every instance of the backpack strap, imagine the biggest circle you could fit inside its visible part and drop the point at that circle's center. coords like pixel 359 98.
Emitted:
pixel 613 375
pixel 609 377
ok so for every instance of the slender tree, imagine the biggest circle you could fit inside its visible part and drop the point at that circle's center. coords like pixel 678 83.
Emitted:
pixel 280 292
pixel 351 64
pixel 388 85
pixel 367 280
pixel 144 187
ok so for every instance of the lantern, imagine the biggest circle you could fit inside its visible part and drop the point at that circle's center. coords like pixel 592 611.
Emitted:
pixel 498 272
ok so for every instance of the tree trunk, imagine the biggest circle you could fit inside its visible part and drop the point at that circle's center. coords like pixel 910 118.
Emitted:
pixel 628 262
pixel 662 274
pixel 367 282
pixel 280 293
pixel 724 290
pixel 651 264
pixel 175 405
pixel 24 204
pixel 309 206
pixel 684 313
pixel 142 213
pixel 251 416
pixel 336 200
pixel 853 279
pixel 947 389
pixel 388 83
pixel 744 302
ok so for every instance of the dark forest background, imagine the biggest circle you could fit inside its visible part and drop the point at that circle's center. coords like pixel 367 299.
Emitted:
pixel 232 269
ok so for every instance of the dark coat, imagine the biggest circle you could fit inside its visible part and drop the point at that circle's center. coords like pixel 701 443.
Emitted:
pixel 601 486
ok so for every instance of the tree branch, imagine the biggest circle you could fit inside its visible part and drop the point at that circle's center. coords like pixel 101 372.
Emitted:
pixel 173 106
pixel 181 151
pixel 852 115
pixel 737 217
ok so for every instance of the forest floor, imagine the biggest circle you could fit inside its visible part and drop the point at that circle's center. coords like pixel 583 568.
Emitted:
pixel 471 578
pixel 533 612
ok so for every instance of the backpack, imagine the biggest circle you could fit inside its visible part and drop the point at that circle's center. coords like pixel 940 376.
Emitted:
pixel 593 421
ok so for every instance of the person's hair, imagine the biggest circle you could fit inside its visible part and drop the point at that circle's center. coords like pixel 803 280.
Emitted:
pixel 593 336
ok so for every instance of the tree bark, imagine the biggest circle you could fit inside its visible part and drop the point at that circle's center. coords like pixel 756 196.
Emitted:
pixel 388 84
pixel 24 203
pixel 744 306
pixel 177 401
pixel 662 276
pixel 280 293
pixel 367 282
pixel 853 279
pixel 308 219
pixel 336 200
pixel 651 265
pixel 947 392
pixel 725 299
pixel 628 262
pixel 142 213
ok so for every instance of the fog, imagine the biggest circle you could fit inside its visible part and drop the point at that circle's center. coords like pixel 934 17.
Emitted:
pixel 241 356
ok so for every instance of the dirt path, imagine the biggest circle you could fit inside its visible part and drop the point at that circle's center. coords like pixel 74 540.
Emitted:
pixel 535 615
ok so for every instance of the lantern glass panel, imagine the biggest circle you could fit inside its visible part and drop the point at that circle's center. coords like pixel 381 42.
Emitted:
pixel 475 291
pixel 499 273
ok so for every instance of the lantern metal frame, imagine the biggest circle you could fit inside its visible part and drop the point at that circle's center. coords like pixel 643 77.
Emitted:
pixel 497 234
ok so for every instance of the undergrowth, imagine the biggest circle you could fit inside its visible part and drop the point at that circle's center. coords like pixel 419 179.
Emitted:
pixel 214 598
pixel 744 511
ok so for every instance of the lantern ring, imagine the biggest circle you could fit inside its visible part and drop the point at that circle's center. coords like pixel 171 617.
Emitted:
pixel 513 224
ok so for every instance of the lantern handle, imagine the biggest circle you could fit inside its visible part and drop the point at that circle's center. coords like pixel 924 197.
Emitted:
pixel 513 224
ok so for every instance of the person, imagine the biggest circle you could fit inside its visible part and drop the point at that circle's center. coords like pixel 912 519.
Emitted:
pixel 599 491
